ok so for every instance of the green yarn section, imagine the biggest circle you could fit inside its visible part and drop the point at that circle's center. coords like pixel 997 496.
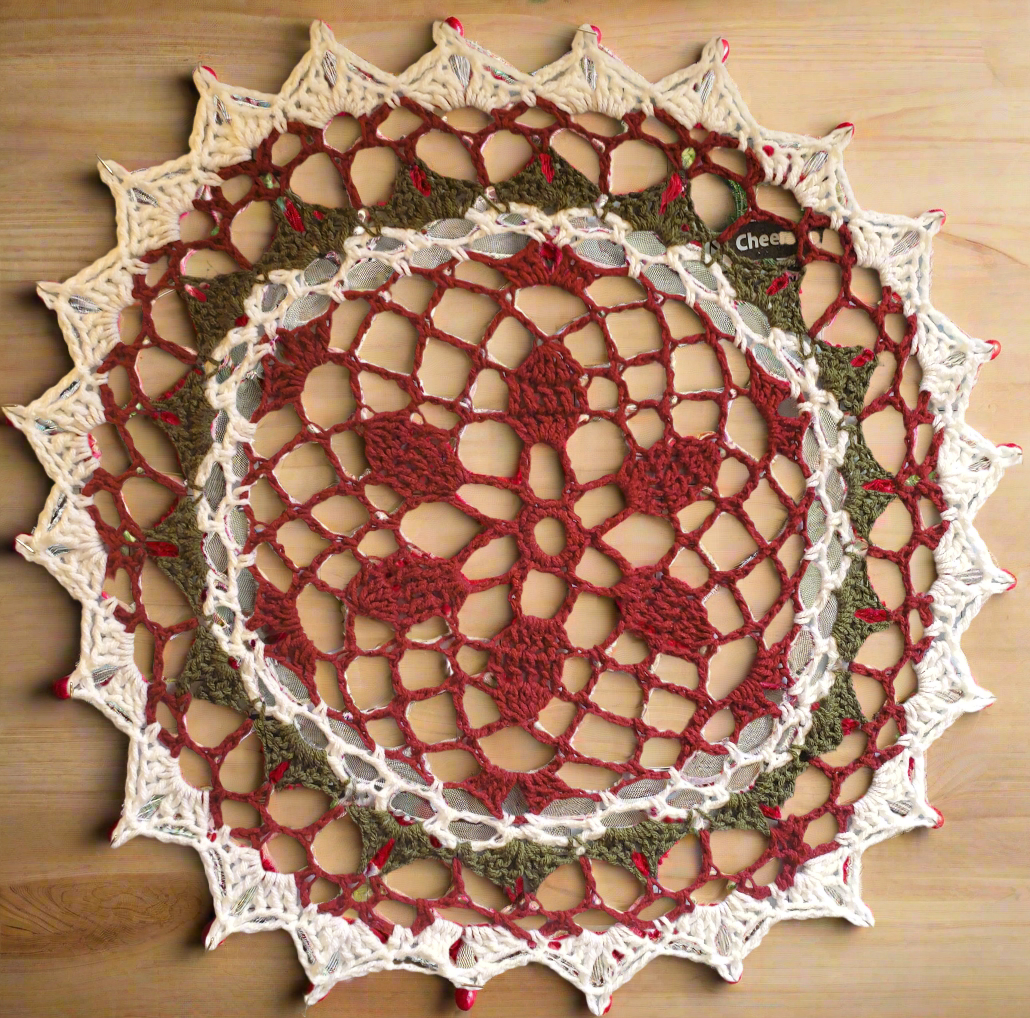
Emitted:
pixel 222 303
pixel 518 859
pixel 855 594
pixel 827 732
pixel 858 469
pixel 567 188
pixel 649 839
pixel 740 203
pixel 771 789
pixel 774 787
pixel 188 569
pixel 502 866
pixel 306 765
pixel 752 282
pixel 847 381
pixel 192 435
pixel 678 224
pixel 412 209
pixel 208 675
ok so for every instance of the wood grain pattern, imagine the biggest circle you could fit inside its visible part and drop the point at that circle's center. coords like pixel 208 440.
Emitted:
pixel 941 96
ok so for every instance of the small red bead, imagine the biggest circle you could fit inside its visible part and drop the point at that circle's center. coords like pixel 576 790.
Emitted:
pixel 944 215
pixel 62 688
pixel 844 123
pixel 111 830
pixel 465 999
pixel 596 31
pixel 456 25
pixel 725 49
pixel 1011 445
pixel 996 347
pixel 1015 579
pixel 940 819
pixel 608 1008
pixel 210 71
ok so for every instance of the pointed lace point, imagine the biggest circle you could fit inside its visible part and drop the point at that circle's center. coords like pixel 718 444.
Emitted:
pixel 111 173
pixel 313 994
pixel 121 833
pixel 863 915
pixel 49 293
pixel 321 35
pixel 213 934
pixel 933 219
pixel 714 51
pixel 1011 453
pixel 842 134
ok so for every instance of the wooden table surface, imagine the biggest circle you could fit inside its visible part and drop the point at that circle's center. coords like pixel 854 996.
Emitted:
pixel 940 94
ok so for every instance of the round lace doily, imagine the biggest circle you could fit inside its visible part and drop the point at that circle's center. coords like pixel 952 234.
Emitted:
pixel 586 490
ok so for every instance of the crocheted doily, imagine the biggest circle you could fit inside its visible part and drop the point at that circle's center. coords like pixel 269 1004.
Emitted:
pixel 372 363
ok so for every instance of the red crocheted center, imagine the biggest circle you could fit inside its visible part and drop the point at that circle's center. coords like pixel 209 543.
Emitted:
pixel 428 451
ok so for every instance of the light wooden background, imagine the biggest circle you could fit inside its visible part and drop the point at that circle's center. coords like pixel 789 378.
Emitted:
pixel 940 94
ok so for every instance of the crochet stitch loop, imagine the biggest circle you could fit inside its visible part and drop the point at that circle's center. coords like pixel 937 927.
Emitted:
pixel 264 327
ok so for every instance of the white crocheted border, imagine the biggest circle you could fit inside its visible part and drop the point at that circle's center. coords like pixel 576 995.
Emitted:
pixel 329 80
